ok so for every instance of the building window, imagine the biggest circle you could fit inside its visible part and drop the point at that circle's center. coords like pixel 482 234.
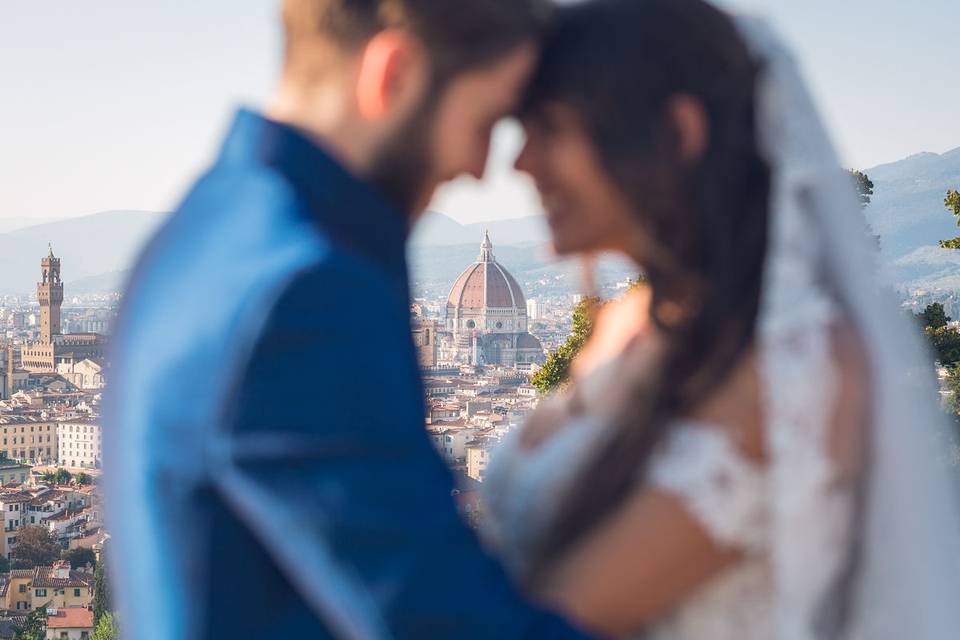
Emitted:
pixel 41 593
pixel 76 592
pixel 23 587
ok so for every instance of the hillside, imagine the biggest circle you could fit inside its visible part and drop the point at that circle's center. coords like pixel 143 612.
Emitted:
pixel 908 214
pixel 88 246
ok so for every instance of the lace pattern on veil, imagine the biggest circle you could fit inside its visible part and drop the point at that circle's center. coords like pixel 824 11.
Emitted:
pixel 810 517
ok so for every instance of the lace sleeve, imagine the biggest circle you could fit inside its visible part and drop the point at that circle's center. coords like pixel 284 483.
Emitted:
pixel 724 491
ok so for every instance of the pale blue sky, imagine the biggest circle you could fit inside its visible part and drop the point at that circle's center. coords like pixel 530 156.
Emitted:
pixel 116 104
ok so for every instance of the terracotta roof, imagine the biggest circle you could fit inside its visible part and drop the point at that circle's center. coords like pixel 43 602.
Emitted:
pixel 486 284
pixel 44 577
pixel 71 618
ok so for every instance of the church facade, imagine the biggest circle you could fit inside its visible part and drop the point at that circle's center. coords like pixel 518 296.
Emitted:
pixel 486 317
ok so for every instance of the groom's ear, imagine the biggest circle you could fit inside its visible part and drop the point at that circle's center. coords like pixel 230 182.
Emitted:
pixel 392 75
pixel 692 126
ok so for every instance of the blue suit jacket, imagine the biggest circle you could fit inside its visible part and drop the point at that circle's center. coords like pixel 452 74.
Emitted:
pixel 268 471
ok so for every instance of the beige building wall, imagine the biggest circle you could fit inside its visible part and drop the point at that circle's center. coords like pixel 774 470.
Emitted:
pixel 18 597
pixel 61 597
pixel 477 460
pixel 29 441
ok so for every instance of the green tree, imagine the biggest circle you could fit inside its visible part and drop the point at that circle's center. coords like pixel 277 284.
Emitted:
pixel 952 385
pixel 556 370
pixel 36 546
pixel 107 628
pixel 952 203
pixel 946 344
pixel 864 186
pixel 62 476
pixel 79 557
pixel 34 627
pixel 943 339
pixel 84 479
pixel 934 317
pixel 101 589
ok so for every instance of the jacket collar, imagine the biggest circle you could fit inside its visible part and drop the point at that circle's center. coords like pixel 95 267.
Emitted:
pixel 345 207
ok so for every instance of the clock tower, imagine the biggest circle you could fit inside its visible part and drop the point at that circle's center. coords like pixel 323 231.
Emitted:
pixel 50 297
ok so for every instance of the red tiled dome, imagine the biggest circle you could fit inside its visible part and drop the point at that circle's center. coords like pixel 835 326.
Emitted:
pixel 486 284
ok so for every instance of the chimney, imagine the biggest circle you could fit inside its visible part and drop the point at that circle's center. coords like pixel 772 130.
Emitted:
pixel 61 569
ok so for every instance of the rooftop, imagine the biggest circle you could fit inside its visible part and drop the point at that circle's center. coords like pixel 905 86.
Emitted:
pixel 71 618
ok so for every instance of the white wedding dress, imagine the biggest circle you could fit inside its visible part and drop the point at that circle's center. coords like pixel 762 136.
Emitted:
pixel 793 524
pixel 725 492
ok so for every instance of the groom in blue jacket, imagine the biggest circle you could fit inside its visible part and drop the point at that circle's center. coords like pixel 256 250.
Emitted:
pixel 268 473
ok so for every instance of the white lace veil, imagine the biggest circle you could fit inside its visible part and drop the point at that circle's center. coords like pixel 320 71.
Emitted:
pixel 820 260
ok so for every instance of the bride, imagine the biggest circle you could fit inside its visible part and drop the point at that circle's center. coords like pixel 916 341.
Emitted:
pixel 753 457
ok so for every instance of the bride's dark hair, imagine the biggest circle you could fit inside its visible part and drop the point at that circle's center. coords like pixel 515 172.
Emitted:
pixel 619 64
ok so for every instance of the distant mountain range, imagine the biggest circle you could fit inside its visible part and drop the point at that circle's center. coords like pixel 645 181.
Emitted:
pixel 438 230
pixel 89 246
pixel 907 213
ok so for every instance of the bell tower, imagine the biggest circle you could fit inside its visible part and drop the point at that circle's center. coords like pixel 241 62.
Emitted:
pixel 50 296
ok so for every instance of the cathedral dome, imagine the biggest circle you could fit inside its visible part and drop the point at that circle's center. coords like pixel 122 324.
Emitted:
pixel 486 285
pixel 528 341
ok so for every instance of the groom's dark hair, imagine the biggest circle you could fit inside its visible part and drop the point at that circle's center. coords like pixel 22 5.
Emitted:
pixel 458 34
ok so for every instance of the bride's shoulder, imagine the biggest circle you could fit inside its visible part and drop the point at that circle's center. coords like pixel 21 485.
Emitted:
pixel 736 407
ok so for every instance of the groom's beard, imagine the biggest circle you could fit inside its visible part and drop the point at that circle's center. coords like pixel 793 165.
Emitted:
pixel 401 170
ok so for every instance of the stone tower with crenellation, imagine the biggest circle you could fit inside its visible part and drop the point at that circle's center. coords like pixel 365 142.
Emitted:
pixel 50 297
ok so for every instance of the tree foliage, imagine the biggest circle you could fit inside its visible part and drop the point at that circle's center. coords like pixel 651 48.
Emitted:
pixel 36 546
pixel 933 317
pixel 34 627
pixel 952 384
pixel 84 479
pixel 79 557
pixel 556 370
pixel 944 339
pixel 946 344
pixel 106 628
pixel 101 589
pixel 60 476
pixel 952 203
pixel 864 186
